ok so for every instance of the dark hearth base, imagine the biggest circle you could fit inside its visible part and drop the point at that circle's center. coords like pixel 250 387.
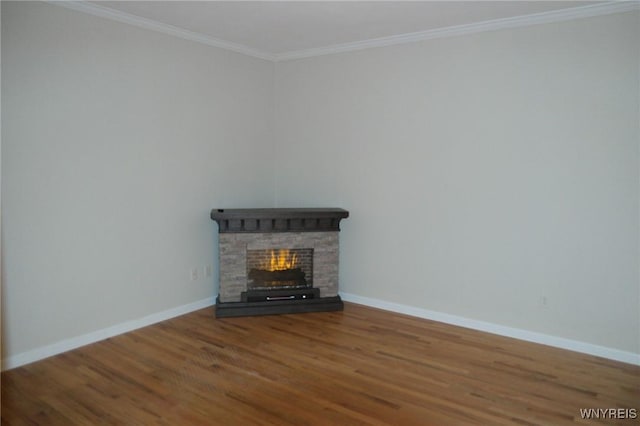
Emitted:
pixel 238 309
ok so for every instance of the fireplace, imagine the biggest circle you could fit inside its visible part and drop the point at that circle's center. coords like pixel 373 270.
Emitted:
pixel 275 261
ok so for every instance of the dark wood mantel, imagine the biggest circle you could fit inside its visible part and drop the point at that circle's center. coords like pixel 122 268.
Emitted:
pixel 278 219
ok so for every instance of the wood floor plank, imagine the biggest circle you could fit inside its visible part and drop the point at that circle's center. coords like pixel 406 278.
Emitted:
pixel 362 366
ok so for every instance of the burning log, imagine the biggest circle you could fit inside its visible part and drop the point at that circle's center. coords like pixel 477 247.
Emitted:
pixel 262 276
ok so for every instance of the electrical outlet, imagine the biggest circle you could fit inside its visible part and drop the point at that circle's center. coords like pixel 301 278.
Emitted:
pixel 194 274
pixel 207 271
pixel 543 301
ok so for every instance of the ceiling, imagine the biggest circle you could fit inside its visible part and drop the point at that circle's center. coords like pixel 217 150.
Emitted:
pixel 277 28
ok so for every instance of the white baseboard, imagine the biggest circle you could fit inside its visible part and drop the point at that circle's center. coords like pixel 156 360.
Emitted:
pixel 529 336
pixel 95 336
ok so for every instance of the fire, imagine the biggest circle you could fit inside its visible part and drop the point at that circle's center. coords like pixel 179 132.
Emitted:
pixel 281 260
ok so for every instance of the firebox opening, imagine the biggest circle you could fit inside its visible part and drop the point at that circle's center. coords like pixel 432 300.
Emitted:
pixel 279 268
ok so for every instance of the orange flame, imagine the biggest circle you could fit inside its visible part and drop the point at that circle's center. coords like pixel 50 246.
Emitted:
pixel 281 260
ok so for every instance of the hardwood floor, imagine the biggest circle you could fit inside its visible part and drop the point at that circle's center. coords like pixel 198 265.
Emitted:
pixel 360 366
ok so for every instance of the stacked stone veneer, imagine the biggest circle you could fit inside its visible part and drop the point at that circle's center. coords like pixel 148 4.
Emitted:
pixel 233 258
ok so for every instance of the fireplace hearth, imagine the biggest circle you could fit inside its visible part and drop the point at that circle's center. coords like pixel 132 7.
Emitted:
pixel 275 261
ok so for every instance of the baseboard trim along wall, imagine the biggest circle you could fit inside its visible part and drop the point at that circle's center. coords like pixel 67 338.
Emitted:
pixel 96 336
pixel 529 336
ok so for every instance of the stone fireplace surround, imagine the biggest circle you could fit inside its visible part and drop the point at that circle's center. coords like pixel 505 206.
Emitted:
pixel 262 229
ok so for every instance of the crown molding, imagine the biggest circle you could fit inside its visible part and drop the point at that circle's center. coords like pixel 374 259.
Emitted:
pixel 459 30
pixel 453 31
pixel 149 24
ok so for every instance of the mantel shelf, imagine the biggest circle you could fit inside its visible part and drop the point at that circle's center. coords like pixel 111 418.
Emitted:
pixel 278 219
